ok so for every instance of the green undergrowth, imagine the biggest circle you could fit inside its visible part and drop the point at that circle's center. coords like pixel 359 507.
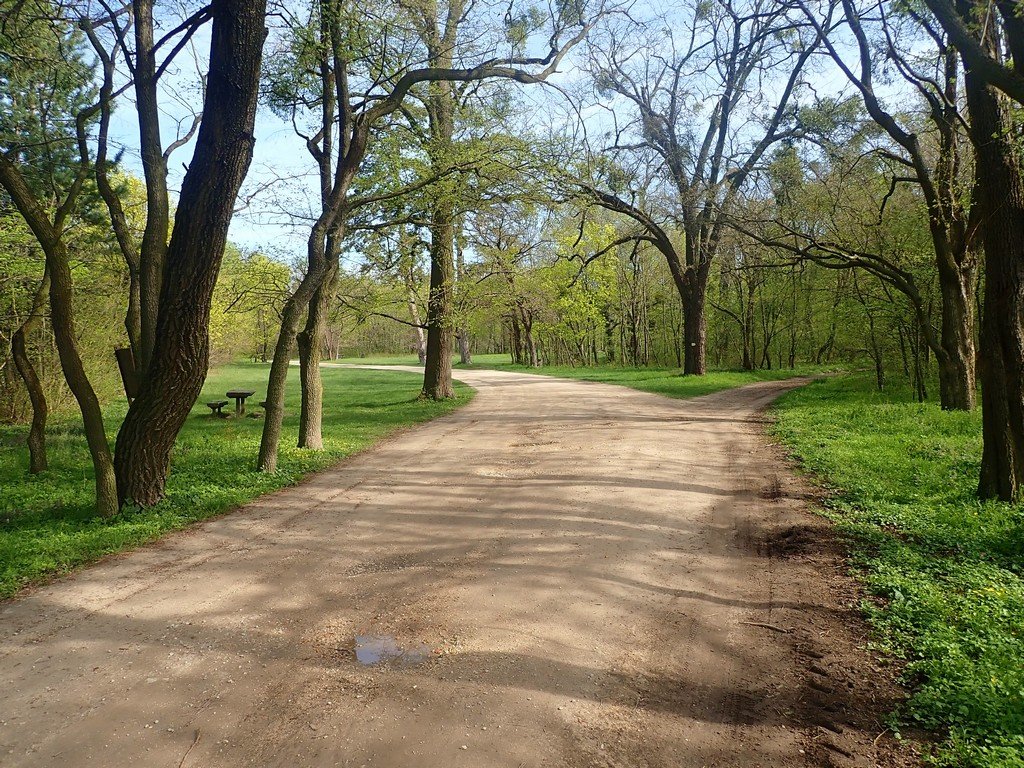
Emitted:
pixel 945 572
pixel 48 523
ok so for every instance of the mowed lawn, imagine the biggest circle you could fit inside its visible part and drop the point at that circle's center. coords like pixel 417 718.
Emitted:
pixel 48 523
pixel 945 572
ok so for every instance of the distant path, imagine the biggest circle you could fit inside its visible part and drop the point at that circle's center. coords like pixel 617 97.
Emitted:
pixel 596 570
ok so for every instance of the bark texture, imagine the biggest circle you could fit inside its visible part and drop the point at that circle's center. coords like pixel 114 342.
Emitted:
pixel 1001 364
pixel 19 351
pixel 957 363
pixel 310 343
pixel 62 315
pixel 695 330
pixel 221 160
pixel 437 371
pixel 153 249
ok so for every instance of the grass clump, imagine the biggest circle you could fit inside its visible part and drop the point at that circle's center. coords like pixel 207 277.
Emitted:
pixel 48 522
pixel 945 571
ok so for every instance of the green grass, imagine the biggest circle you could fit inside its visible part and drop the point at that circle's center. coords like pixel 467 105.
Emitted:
pixel 48 523
pixel 382 359
pixel 661 381
pixel 945 572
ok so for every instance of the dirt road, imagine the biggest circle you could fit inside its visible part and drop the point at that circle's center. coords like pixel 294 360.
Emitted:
pixel 578 574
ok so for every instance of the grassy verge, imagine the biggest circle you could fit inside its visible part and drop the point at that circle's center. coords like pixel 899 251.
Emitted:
pixel 945 572
pixel 48 523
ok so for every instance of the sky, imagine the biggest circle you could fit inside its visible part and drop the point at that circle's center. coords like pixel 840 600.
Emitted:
pixel 281 174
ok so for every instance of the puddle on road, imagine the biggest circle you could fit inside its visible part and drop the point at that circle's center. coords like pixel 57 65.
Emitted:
pixel 378 649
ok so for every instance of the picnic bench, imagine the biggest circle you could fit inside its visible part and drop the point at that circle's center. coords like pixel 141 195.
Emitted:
pixel 216 405
pixel 239 396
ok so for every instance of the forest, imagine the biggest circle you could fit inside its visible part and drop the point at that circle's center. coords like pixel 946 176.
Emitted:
pixel 678 196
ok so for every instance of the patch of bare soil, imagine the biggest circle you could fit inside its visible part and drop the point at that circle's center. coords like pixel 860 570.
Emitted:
pixel 559 574
pixel 848 691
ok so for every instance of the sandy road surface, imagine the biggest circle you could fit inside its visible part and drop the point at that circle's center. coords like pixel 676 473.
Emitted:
pixel 596 572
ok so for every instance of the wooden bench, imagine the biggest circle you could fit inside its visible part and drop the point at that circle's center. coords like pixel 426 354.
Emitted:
pixel 215 407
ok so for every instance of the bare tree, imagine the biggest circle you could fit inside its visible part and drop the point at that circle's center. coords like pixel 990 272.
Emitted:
pixel 703 101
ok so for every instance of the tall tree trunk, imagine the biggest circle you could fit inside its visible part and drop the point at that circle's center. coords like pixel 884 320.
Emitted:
pixel 1001 362
pixel 310 343
pixel 220 162
pixel 957 361
pixel 441 39
pixel 465 354
pixel 153 249
pixel 62 314
pixel 63 321
pixel 437 372
pixel 695 328
pixel 37 431
pixel 417 322
pixel 294 308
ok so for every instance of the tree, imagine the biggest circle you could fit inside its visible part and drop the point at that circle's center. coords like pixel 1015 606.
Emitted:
pixel 356 117
pixel 952 219
pixel 224 144
pixel 45 179
pixel 1001 191
pixel 450 31
pixel 713 62
pixel 979 32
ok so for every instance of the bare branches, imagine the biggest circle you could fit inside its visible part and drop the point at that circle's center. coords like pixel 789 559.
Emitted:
pixel 511 68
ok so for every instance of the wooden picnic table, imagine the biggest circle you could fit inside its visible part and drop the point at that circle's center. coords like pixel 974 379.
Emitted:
pixel 239 396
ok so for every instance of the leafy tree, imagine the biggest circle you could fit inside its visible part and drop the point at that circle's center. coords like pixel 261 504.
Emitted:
pixel 697 123
pixel 43 170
